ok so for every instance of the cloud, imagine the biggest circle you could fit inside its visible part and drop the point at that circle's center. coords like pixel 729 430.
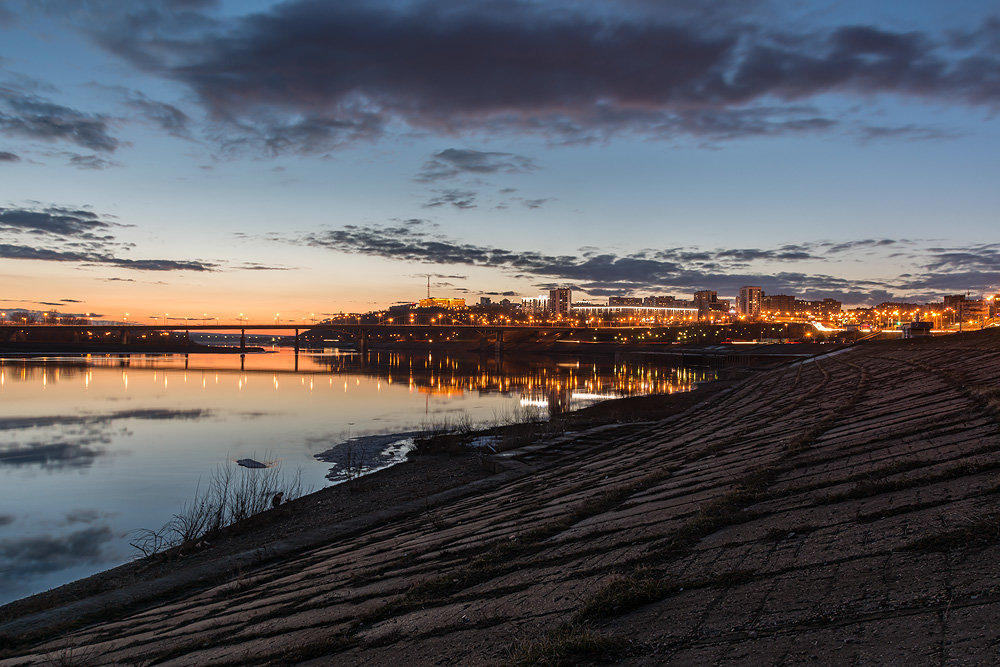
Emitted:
pixel 309 75
pixel 443 276
pixel 409 242
pixel 6 156
pixel 8 251
pixel 908 132
pixel 603 273
pixel 974 257
pixel 31 116
pixel 63 234
pixel 254 266
pixel 54 220
pixel 849 246
pixel 535 203
pixel 165 116
pixel 47 553
pixel 6 519
pixel 453 162
pixel 460 199
pixel 931 286
pixel 7 18
pixel 744 255
pixel 91 162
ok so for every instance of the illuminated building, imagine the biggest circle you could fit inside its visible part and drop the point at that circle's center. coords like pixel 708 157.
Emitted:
pixel 777 303
pixel 643 313
pixel 434 302
pixel 536 305
pixel 709 306
pixel 823 310
pixel 660 301
pixel 749 301
pixel 560 300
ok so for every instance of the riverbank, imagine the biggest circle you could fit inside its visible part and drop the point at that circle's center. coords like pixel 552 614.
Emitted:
pixel 435 468
pixel 841 509
pixel 15 350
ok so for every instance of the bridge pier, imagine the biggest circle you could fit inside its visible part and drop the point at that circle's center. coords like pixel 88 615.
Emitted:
pixel 296 347
pixel 362 342
pixel 243 343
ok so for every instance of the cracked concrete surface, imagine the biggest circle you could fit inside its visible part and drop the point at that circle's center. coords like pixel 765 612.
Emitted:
pixel 842 510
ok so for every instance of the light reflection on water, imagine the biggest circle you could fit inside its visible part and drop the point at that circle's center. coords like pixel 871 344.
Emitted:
pixel 93 447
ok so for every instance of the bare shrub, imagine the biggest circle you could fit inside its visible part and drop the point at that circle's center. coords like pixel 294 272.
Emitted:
pixel 233 493
pixel 148 542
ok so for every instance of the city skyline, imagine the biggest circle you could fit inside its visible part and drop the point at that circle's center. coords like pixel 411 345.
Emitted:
pixel 192 156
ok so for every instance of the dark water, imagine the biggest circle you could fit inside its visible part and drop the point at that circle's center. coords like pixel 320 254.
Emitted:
pixel 93 448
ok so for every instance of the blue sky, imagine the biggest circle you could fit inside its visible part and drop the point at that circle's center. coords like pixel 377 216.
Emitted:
pixel 192 157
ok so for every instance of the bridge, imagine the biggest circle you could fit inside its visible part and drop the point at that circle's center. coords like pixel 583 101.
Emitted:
pixel 490 336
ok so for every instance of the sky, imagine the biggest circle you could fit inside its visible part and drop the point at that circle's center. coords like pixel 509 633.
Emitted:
pixel 207 158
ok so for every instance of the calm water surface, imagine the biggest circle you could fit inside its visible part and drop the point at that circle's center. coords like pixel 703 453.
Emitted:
pixel 93 448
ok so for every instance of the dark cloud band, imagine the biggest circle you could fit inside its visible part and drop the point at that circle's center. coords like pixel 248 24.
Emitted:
pixel 60 234
pixel 675 269
pixel 32 117
pixel 311 74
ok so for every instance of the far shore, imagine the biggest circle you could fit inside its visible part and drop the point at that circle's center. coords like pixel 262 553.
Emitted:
pixel 76 349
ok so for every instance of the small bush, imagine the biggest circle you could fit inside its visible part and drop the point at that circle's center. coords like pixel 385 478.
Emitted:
pixel 232 494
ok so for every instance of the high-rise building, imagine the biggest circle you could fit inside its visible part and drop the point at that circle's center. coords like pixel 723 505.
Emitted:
pixel 703 301
pixel 560 300
pixel 748 302
pixel 624 301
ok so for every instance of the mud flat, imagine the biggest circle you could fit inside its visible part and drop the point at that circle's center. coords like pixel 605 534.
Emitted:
pixel 840 510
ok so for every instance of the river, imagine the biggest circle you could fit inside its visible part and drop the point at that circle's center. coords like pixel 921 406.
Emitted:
pixel 94 448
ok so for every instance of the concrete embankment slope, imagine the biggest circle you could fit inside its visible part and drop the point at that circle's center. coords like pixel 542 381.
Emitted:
pixel 843 510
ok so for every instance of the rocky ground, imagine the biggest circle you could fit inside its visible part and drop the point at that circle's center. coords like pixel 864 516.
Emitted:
pixel 841 510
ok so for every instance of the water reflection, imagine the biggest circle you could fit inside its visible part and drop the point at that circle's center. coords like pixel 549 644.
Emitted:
pixel 122 442
pixel 554 385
